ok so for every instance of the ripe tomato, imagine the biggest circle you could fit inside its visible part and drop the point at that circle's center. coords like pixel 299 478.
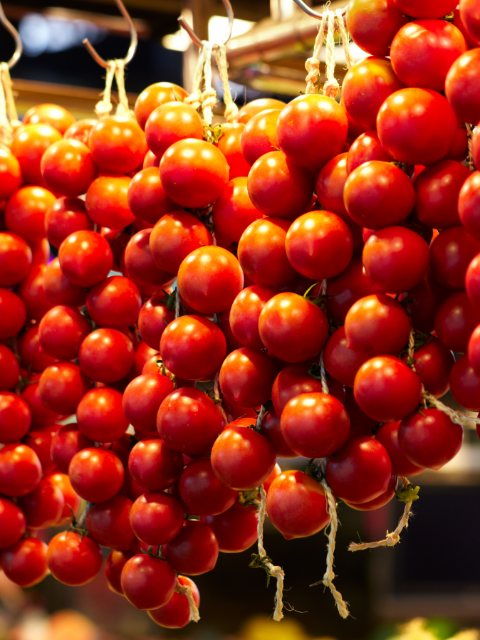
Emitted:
pixel 9 368
pixel 10 174
pixel 246 377
pixel 153 319
pixel 231 147
pixel 153 466
pixel 388 435
pixel 468 204
pixel 142 398
pixel 107 202
pixel 12 521
pixel 65 216
pixel 96 474
pixel 28 146
pixel 148 582
pixel 312 129
pixel 416 126
pixel 465 384
pixel 189 422
pixel 193 173
pixel 278 187
pixel 67 167
pixel 351 285
pixel 62 386
pixel 58 288
pixel 43 507
pixel 85 258
pixel 169 123
pixel 330 184
pixel 72 500
pixel 292 328
pixel 455 320
pixel 462 86
pixel 377 324
pixel 147 199
pixel 257 106
pixel 139 263
pixel 74 559
pixel 113 568
pixel 426 8
pixel 106 355
pixel 156 518
pixel 234 212
pixel 194 551
pixel 296 505
pixel 176 613
pixel 41 416
pixel 474 350
pixel 32 293
pixel 365 148
pixel 202 492
pixel 80 130
pixel 470 20
pixel 260 135
pixel 108 523
pixel 20 470
pixel 360 471
pixel 25 563
pixel 235 529
pixel 52 114
pixel 26 211
pixel 245 312
pixel 62 331
pixel 315 425
pixel 270 429
pixel 342 362
pixel 115 302
pixel 117 144
pixel 155 95
pixel 377 503
pixel 68 441
pixel 433 363
pixel 293 380
pixel 15 417
pixel 387 389
pixel 15 259
pixel 451 252
pixel 373 24
pixel 100 416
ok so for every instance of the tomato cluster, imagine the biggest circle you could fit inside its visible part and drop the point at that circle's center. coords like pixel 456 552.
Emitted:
pixel 310 243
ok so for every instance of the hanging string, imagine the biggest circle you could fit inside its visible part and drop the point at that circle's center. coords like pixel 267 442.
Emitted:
pixel 231 108
pixel 115 69
pixel 218 397
pixel 186 590
pixel 203 100
pixel 312 65
pixel 323 373
pixel 8 112
pixel 122 107
pixel 345 39
pixel 331 87
pixel 470 163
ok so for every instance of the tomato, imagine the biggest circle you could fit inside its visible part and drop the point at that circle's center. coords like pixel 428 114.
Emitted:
pixel 148 582
pixel 61 332
pixel 65 216
pixel 468 204
pixel 423 51
pixel 360 423
pixel 472 282
pixel 377 503
pixel 319 245
pixel 247 376
pixel 32 293
pixel 189 422
pixel 147 199
pixel 15 259
pixel 15 417
pixel 373 24
pixel 329 186
pixel 192 347
pixel 29 143
pixel 80 130
pixel 174 237
pixel 462 86
pixel 106 355
pixel 377 324
pixel 58 288
pixel 72 500
pixel 26 211
pixel 470 19
pixel 115 302
pixel 234 212
pixel 465 383
pixel 156 518
pixel 262 254
pixel 235 529
pixel 342 362
pixel 360 471
pixel 278 187
pixel 194 551
pixel 41 416
pixel 113 568
pixel 388 435
pixel 474 350
pixel 42 507
pixel 40 440
pixel 257 106
pixel 67 167
pixel 68 441
pixel 62 386
pixel 10 174
pixel 117 144
pixel 292 328
pixel 202 492
pixel 455 320
pixel 85 258
pixel 395 259
pixel 365 87
pixel 170 123
pixel 176 613
pixel 312 129
pixel 351 285
pixel 9 368
pixel 423 302
pixel 12 521
pixel 142 398
pixel 100 416
pixel 108 523
pixel 52 114
pixel 365 148
pixel 154 96
pixel 153 319
pixel 378 194
pixel 416 126
pixel 193 173
pixel 25 563
pixel 245 312
pixel 292 381
pixel 20 470
pixel 387 389
pixel 107 202
pixel 433 363
pixel 315 425
pixel 139 263
pixel 153 466
pixel 96 474
pixel 241 458
pixel 270 429
pixel 297 505
pixel 451 252
pixel 231 147
pixel 426 8
pixel 260 135
pixel 74 559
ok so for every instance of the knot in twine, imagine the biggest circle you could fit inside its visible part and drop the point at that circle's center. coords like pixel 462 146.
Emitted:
pixel 115 69
pixel 186 590
pixel 8 112
pixel 312 65
pixel 231 109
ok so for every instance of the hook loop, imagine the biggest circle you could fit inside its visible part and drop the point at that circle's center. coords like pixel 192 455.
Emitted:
pixel 133 40
pixel 15 35
pixel 198 41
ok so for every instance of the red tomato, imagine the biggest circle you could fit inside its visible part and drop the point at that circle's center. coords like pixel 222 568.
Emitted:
pixel 148 582
pixel 260 135
pixel 65 216
pixel 156 518
pixel 72 500
pixel 433 363
pixel 423 302
pixel 96 474
pixel 270 429
pixel 366 147
pixel 117 144
pixel 153 319
pixel 373 24
pixel 189 422
pixel 278 187
pixel 247 376
pixel 360 471
pixel 107 202
pixel 176 613
pixel 68 441
pixel 234 212
pixel 293 380
pixel 32 293
pixel 41 416
pixel 202 492
pixel 12 523
pixel 20 470
pixel 342 362
pixel 100 416
pixel 113 568
pixel 153 466
pixel 315 425
pixel 12 314
pixel 85 258
pixel 42 507
pixel 40 440
pixel 455 320
pixel 194 551
pixel 387 389
pixel 468 204
pixel 292 328
pixel 58 288
pixel 360 423
pixel 29 143
pixel 25 563
pixel 297 505
pixel 67 167
pixel 26 211
pixel 262 253
pixel 469 19
pixel 192 347
pixel 330 184
pixel 115 303
pixel 52 114
pixel 465 384
pixel 230 145
pixel 472 282
pixel 245 312
pixel 257 106
pixel 106 355
pixel 426 8
pixel 15 259
pixel 170 123
pixel 62 386
pixel 312 129
pixel 142 398
pixel 193 173
pixel 80 130
pixel 377 503
pixel 139 263
pixel 9 368
pixel 416 126
pixel 155 95
pixel 108 523
pixel 451 252
pixel 147 199
pixel 377 324
pixel 346 289
pixel 388 435
pixel 62 331
pixel 235 529
pixel 74 559
pixel 10 174
pixel 474 350
pixel 462 86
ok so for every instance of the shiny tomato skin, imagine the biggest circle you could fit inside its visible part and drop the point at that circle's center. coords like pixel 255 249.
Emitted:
pixel 451 253
pixel 270 429
pixel 346 289
pixel 115 302
pixel 246 377
pixel 10 174
pixel 377 324
pixel 260 135
pixel 235 529
pixel 297 505
pixel 426 8
pixel 468 203
pixel 373 24
pixel 52 114
pixel 20 470
pixel 278 187
pixel 80 130
pixel 72 500
pixel 41 416
pixel 140 265
pixel 292 328
pixel 96 474
pixel 65 216
pixel 108 523
pixel 231 146
pixel 176 613
pixel 169 123
pixel 192 347
pixel 154 96
pixel 472 282
pixel 147 582
pixel 43 507
pixel 241 458
pixel 117 144
pixel 312 129
pixel 234 211
pixel 62 386
pixel 360 471
pixel 315 425
pixel 293 380
pixel 107 201
pixel 9 368
pixel 154 466
pixel 201 490
pixel 342 362
pixel 142 398
pixel 74 559
pixel 156 518
pixel 194 551
pixel 15 417
pixel 257 106
pixel 28 146
pixel 26 210
pixel 193 173
pixel 67 168
pixel 330 184
pixel 387 389
pixel 153 319
pixel 85 258
pixel 32 292
pixel 68 441
pixel 147 199
pixel 262 254
pixel 58 288
pixel 245 312
pixel 433 363
pixel 189 422
pixel 13 523
pixel 470 21
pixel 15 259
pixel 455 320
pixel 25 563
pixel 100 416
pixel 106 355
pixel 401 465
pixel 365 148
pixel 465 384
pixel 462 86
pixel 62 331
pixel 113 568
pixel 377 503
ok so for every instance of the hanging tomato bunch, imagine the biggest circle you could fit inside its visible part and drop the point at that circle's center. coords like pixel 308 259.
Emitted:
pixel 327 265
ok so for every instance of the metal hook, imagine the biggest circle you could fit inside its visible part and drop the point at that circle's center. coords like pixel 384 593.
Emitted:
pixel 133 39
pixel 184 24
pixel 310 12
pixel 15 35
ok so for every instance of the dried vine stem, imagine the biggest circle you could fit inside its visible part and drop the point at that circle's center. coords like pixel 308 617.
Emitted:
pixel 323 373
pixel 186 590
pixel 218 397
